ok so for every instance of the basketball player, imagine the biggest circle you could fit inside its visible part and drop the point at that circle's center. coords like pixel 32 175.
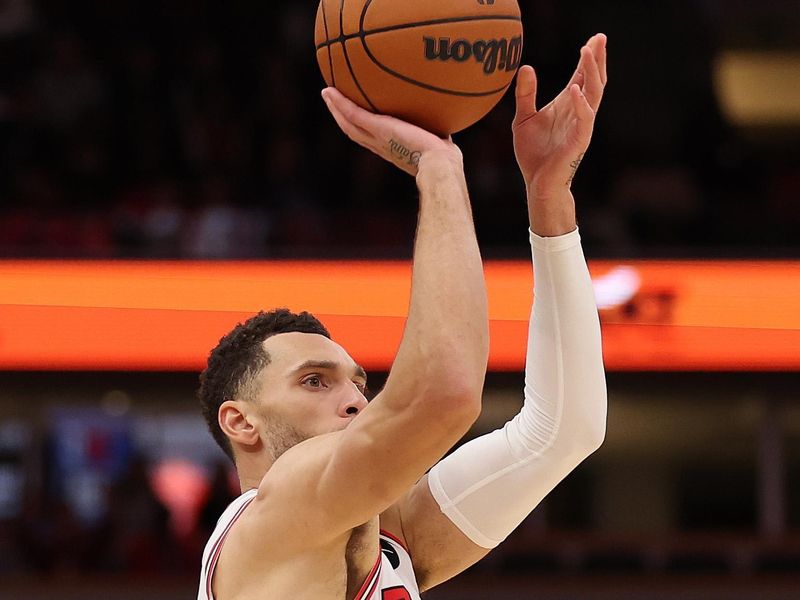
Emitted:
pixel 336 502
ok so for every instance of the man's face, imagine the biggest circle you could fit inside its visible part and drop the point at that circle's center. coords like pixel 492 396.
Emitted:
pixel 310 387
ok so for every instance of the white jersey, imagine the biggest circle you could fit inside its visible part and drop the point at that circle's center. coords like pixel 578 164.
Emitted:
pixel 391 578
pixel 214 545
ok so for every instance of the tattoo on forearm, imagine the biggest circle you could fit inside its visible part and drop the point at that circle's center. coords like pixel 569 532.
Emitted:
pixel 574 165
pixel 404 154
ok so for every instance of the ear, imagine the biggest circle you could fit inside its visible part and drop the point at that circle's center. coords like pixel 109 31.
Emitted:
pixel 235 422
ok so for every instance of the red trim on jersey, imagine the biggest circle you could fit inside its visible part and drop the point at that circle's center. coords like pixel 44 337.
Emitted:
pixel 371 582
pixel 395 539
pixel 217 549
pixel 373 587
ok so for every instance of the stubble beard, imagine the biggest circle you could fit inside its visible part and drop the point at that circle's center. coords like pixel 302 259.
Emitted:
pixel 283 436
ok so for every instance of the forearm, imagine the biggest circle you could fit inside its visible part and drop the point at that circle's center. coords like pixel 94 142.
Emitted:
pixel 445 343
pixel 564 373
pixel 488 486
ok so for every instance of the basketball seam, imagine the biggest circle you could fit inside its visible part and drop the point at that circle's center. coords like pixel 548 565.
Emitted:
pixel 420 84
pixel 327 37
pixel 347 59
pixel 362 34
pixel 428 86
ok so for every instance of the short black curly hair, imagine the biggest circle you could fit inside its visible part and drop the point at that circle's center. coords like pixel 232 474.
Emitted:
pixel 238 359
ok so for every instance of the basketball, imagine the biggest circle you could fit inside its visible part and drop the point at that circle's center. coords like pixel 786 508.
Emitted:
pixel 440 64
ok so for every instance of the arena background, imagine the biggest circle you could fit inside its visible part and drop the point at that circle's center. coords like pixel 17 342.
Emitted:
pixel 193 131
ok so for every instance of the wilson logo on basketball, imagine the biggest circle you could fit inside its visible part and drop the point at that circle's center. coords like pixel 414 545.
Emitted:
pixel 496 55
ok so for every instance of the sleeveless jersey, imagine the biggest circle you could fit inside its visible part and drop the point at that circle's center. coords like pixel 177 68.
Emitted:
pixel 391 578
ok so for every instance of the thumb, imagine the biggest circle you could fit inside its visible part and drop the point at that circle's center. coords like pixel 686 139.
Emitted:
pixel 525 94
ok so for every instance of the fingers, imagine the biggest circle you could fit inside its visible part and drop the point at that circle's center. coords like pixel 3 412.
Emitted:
pixel 577 76
pixel 352 111
pixel 584 114
pixel 525 93
pixel 590 73
pixel 598 45
pixel 347 115
pixel 592 86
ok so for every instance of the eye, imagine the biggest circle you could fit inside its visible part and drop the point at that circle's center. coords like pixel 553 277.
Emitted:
pixel 362 387
pixel 313 381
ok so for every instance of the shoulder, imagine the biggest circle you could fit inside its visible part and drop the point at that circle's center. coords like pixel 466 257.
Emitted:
pixel 307 453
pixel 290 482
pixel 285 515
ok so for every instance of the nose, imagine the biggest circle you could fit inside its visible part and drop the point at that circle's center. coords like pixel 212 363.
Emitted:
pixel 354 404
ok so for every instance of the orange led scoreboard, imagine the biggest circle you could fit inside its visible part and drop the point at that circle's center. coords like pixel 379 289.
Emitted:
pixel 166 316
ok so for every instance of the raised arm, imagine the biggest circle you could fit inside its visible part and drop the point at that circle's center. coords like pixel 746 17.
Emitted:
pixel 476 496
pixel 330 484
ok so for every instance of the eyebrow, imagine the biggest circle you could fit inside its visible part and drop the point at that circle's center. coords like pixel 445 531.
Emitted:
pixel 327 365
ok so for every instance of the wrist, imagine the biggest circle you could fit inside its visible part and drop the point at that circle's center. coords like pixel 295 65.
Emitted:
pixel 552 215
pixel 438 165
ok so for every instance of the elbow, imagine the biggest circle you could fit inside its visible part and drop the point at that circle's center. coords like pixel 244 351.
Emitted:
pixel 594 437
pixel 583 436
pixel 448 396
pixel 592 431
pixel 461 399
pixel 444 374
pixel 456 397
pixel 453 383
pixel 579 443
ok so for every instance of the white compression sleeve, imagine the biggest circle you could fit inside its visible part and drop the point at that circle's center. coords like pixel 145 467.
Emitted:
pixel 490 484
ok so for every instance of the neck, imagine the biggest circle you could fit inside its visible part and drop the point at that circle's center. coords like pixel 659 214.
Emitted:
pixel 251 471
pixel 248 483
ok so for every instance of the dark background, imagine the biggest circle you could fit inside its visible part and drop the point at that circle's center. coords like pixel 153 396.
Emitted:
pixel 195 129
pixel 192 129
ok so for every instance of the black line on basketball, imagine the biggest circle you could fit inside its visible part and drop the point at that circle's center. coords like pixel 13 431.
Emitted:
pixel 363 33
pixel 427 86
pixel 402 77
pixel 327 38
pixel 347 60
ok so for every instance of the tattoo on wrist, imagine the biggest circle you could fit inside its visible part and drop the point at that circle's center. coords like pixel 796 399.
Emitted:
pixel 574 165
pixel 400 152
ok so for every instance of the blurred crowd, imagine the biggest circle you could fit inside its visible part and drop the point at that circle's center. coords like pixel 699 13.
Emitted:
pixel 195 129
pixel 136 533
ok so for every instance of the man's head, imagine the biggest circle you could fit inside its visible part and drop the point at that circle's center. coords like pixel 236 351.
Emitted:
pixel 276 380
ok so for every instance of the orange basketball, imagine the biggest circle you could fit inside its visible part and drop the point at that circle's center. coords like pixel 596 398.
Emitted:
pixel 441 64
